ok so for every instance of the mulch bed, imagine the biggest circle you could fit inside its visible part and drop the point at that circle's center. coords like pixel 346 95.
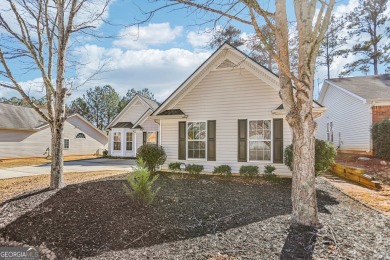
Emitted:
pixel 89 219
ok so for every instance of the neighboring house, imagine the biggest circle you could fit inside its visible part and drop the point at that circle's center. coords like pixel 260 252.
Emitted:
pixel 24 133
pixel 131 128
pixel 353 105
pixel 227 112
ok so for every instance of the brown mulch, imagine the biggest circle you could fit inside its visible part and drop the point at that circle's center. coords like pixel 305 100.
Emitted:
pixel 16 186
pixel 89 219
pixel 17 162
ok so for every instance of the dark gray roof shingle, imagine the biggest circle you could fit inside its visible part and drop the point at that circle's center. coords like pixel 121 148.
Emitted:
pixel 18 117
pixel 125 125
pixel 367 87
pixel 171 112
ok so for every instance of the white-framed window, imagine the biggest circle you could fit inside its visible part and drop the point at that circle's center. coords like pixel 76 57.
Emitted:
pixel 129 141
pixel 329 132
pixel 66 143
pixel 151 137
pixel 196 140
pixel 80 135
pixel 260 140
pixel 117 141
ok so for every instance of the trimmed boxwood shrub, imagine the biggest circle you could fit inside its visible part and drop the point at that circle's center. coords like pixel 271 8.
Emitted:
pixel 223 170
pixel 249 170
pixel 194 168
pixel 153 156
pixel 324 156
pixel 381 139
pixel 175 166
pixel 269 173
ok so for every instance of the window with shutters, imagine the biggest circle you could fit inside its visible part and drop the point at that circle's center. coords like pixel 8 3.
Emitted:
pixel 151 137
pixel 329 132
pixel 129 141
pixel 260 140
pixel 196 140
pixel 117 141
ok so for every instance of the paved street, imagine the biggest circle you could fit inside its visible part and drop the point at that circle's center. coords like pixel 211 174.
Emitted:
pixel 102 164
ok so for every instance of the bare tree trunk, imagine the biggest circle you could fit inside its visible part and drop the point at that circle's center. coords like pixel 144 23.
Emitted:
pixel 304 199
pixel 57 161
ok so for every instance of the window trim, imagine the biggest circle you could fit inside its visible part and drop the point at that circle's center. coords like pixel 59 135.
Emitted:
pixel 330 132
pixel 80 133
pixel 113 140
pixel 205 140
pixel 67 148
pixel 271 140
pixel 149 132
pixel 132 137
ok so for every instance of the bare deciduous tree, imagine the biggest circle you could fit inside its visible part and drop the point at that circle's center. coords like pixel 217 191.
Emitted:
pixel 296 88
pixel 35 35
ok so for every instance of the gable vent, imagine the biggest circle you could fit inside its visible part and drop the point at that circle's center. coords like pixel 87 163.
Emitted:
pixel 138 103
pixel 226 64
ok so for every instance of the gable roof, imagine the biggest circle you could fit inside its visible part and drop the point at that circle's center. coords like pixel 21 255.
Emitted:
pixel 375 87
pixel 26 118
pixel 20 118
pixel 242 59
pixel 152 105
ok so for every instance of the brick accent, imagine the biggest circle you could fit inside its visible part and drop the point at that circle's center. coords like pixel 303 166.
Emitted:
pixel 379 113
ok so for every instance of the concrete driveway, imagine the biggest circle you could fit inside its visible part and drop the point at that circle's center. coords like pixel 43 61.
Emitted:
pixel 102 164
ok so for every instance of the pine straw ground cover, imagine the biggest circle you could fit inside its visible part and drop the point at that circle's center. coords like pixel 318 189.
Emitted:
pixel 198 217
pixel 15 186
pixel 17 162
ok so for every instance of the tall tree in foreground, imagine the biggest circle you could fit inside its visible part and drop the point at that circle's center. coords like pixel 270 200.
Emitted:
pixel 312 18
pixel 369 23
pixel 36 35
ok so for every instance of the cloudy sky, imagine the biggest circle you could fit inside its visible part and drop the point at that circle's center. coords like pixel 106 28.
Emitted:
pixel 159 54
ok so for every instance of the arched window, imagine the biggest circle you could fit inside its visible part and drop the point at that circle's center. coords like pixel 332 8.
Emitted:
pixel 80 135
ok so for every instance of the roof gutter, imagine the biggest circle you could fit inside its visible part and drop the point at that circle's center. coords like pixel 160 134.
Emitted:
pixel 168 117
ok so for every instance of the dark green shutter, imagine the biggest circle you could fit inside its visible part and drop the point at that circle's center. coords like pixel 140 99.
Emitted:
pixel 211 140
pixel 144 137
pixel 242 140
pixel 182 141
pixel 278 140
pixel 157 141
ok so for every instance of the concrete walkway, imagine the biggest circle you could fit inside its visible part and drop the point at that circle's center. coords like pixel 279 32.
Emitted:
pixel 102 164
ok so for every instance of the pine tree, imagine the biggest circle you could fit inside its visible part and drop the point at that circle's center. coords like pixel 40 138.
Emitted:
pixel 369 23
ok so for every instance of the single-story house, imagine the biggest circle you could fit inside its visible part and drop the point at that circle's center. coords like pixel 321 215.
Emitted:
pixel 24 133
pixel 227 112
pixel 132 128
pixel 353 104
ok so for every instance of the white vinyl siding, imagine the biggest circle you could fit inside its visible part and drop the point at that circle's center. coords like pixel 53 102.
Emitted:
pixel 225 96
pixel 23 144
pixel 351 119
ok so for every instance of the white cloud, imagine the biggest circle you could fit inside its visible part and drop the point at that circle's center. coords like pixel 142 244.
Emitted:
pixel 162 71
pixel 199 39
pixel 33 88
pixel 154 34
